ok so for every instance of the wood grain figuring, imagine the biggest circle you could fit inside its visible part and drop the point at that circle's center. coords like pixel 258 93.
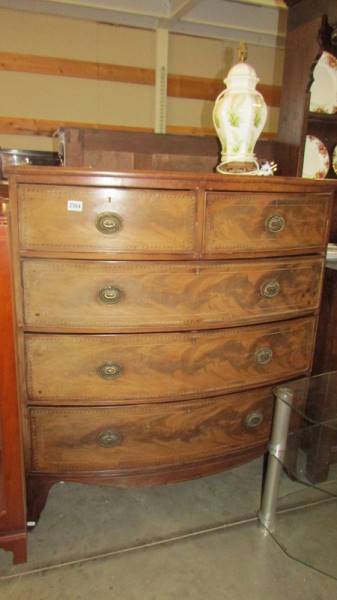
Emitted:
pixel 64 295
pixel 48 127
pixel 203 88
pixel 163 366
pixel 68 439
pixel 179 86
pixel 151 221
pixel 237 223
pixel 65 67
pixel 160 386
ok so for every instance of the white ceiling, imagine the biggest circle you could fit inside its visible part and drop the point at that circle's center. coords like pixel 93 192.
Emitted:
pixel 261 22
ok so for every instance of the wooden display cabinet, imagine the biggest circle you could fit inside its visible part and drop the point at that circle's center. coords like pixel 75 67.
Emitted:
pixel 312 29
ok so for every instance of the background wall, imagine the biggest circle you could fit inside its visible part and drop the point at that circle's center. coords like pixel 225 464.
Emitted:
pixel 56 71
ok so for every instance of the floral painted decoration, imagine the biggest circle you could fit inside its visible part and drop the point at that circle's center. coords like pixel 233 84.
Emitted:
pixel 324 87
pixel 316 161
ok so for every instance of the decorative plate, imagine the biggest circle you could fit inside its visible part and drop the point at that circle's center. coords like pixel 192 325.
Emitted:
pixel 334 159
pixel 324 88
pixel 316 162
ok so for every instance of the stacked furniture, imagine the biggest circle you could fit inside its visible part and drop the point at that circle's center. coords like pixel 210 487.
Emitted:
pixel 108 150
pixel 155 312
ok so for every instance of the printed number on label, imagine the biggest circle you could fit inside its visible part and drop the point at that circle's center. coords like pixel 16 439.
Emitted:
pixel 75 205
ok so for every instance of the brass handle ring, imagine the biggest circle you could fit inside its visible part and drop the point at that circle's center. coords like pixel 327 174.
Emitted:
pixel 110 370
pixel 275 223
pixel 109 438
pixel 108 222
pixel 263 356
pixel 110 295
pixel 270 288
pixel 254 419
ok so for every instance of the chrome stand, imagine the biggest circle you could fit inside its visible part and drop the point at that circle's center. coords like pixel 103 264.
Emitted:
pixel 277 450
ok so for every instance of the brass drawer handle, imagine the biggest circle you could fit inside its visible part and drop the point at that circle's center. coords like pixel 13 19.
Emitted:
pixel 110 295
pixel 263 356
pixel 275 223
pixel 109 438
pixel 110 370
pixel 270 288
pixel 254 419
pixel 108 222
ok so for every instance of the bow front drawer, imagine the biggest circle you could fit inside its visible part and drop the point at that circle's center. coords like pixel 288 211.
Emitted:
pixel 132 437
pixel 242 223
pixel 138 368
pixel 122 296
pixel 83 219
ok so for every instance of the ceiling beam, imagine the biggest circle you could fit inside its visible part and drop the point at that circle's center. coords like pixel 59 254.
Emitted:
pixel 230 33
pixel 177 17
pixel 278 4
pixel 178 9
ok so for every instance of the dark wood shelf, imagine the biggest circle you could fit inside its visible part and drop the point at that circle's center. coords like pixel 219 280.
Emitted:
pixel 317 117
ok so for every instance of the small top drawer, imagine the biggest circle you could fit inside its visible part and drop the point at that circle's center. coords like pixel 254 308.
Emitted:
pixel 253 223
pixel 62 219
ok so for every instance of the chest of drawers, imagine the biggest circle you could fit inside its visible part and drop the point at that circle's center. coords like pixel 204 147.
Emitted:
pixel 155 312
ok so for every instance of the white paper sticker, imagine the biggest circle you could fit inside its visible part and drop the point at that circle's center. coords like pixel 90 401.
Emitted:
pixel 75 205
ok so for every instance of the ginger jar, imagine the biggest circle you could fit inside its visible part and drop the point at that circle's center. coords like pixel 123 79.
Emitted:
pixel 239 116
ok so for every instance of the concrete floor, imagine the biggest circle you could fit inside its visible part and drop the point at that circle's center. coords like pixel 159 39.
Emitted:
pixel 80 523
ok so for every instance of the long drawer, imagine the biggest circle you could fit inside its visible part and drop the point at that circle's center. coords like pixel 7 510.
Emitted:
pixel 84 219
pixel 137 368
pixel 122 296
pixel 136 437
pixel 241 223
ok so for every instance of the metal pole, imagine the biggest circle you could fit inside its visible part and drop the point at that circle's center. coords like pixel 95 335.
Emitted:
pixel 277 449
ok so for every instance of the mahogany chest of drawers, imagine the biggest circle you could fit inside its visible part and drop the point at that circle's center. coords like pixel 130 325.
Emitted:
pixel 155 312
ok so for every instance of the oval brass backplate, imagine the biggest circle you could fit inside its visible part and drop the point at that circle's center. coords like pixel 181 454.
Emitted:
pixel 270 288
pixel 108 222
pixel 263 356
pixel 275 223
pixel 110 370
pixel 110 295
pixel 109 438
pixel 254 419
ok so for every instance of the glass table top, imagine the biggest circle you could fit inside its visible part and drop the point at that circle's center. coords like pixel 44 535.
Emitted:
pixel 305 524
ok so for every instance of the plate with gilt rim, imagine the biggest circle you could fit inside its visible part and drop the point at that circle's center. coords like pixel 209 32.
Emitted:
pixel 323 91
pixel 316 161
pixel 334 159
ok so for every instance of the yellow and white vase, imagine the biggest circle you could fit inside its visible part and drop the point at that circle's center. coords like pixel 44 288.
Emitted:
pixel 239 116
